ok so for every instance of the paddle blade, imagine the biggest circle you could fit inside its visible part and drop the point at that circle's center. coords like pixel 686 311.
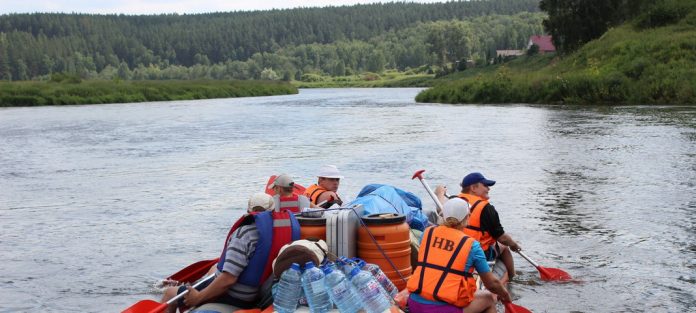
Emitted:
pixel 297 188
pixel 193 272
pixel 553 274
pixel 514 308
pixel 146 306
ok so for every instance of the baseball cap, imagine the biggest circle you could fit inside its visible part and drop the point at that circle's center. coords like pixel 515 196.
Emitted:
pixel 261 200
pixel 283 180
pixel 476 177
pixel 329 171
pixel 455 207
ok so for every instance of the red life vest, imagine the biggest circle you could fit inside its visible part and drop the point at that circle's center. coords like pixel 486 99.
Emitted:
pixel 291 203
pixel 473 228
pixel 440 272
pixel 275 230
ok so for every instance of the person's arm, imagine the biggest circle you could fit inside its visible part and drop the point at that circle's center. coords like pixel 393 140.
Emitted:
pixel 494 285
pixel 216 288
pixel 440 192
pixel 506 239
pixel 328 197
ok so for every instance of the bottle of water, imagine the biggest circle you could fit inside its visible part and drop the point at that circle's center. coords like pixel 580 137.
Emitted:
pixel 313 285
pixel 383 280
pixel 288 291
pixel 341 291
pixel 369 291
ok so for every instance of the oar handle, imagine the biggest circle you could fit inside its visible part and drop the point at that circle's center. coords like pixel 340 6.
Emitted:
pixel 528 259
pixel 419 174
pixel 177 297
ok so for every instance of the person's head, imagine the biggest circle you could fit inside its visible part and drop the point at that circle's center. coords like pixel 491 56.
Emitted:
pixel 329 177
pixel 455 213
pixel 477 185
pixel 260 202
pixel 283 185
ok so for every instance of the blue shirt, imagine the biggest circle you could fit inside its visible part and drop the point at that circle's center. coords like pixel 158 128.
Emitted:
pixel 476 258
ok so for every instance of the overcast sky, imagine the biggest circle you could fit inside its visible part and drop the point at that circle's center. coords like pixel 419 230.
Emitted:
pixel 166 6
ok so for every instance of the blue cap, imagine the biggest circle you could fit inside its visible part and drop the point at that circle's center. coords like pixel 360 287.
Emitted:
pixel 309 265
pixel 475 178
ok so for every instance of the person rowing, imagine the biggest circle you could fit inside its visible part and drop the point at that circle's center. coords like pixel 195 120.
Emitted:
pixel 443 280
pixel 484 223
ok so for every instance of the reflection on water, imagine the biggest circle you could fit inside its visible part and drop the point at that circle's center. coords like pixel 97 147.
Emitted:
pixel 97 203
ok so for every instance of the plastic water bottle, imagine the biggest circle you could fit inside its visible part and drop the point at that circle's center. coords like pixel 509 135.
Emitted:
pixel 383 280
pixel 288 291
pixel 370 292
pixel 313 285
pixel 341 291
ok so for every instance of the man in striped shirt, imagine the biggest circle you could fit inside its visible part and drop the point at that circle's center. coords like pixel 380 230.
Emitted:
pixel 223 288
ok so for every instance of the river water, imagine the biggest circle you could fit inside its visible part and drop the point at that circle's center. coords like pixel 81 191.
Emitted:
pixel 97 203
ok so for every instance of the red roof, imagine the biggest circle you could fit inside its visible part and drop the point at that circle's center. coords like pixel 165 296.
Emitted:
pixel 544 42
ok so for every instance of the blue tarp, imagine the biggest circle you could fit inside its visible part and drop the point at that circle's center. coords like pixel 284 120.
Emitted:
pixel 378 198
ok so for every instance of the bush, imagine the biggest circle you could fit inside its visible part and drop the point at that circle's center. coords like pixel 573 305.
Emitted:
pixel 664 13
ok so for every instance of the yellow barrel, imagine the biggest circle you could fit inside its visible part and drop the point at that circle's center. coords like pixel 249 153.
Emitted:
pixel 312 227
pixel 392 234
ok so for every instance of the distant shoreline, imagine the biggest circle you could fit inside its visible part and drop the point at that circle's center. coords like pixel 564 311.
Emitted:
pixel 33 93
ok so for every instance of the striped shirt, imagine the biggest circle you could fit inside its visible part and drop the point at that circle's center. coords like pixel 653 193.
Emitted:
pixel 240 248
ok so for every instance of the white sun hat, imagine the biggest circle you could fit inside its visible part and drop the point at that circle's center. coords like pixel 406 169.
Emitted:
pixel 262 200
pixel 329 171
pixel 455 207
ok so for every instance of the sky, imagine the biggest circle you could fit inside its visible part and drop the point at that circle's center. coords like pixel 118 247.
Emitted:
pixel 168 6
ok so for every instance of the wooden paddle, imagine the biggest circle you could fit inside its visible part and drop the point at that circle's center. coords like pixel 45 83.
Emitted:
pixel 151 306
pixel 297 188
pixel 548 273
pixel 193 272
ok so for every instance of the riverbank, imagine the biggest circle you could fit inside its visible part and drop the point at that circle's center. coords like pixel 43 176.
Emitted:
pixel 368 80
pixel 639 62
pixel 67 92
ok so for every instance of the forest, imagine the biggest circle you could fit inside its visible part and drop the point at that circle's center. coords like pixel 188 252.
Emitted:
pixel 291 44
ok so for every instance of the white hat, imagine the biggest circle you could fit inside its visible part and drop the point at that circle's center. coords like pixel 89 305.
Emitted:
pixel 455 207
pixel 262 200
pixel 329 171
pixel 283 180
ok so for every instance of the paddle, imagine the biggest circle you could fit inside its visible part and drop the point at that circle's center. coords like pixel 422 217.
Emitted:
pixel 514 308
pixel 151 306
pixel 419 175
pixel 548 273
pixel 298 189
pixel 192 272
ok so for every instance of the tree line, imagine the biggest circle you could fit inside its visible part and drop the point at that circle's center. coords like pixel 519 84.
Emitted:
pixel 274 44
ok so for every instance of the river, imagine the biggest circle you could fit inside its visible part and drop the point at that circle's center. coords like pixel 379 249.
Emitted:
pixel 99 202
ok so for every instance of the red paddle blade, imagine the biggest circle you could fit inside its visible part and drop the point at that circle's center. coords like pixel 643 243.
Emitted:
pixel 553 274
pixel 514 308
pixel 297 188
pixel 193 272
pixel 146 306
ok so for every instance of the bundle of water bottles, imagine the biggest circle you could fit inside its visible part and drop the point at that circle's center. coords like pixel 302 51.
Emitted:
pixel 350 285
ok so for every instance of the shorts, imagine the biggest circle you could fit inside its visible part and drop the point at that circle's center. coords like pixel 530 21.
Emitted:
pixel 224 298
pixel 493 252
pixel 415 306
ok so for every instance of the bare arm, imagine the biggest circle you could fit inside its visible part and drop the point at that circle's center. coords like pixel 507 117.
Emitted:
pixel 327 196
pixel 494 285
pixel 507 240
pixel 440 192
pixel 219 286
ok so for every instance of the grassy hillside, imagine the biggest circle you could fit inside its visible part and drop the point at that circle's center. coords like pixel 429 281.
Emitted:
pixel 93 92
pixel 650 60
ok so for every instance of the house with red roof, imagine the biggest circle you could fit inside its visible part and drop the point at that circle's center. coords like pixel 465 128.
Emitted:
pixel 543 42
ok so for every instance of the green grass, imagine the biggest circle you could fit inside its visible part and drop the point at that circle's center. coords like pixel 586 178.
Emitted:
pixel 389 78
pixel 630 64
pixel 31 93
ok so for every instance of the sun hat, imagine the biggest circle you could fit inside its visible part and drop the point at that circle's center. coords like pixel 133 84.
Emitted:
pixel 329 171
pixel 455 207
pixel 474 178
pixel 261 200
pixel 283 180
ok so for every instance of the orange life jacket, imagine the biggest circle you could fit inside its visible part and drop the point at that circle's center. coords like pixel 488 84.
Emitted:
pixel 314 191
pixel 439 274
pixel 473 229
